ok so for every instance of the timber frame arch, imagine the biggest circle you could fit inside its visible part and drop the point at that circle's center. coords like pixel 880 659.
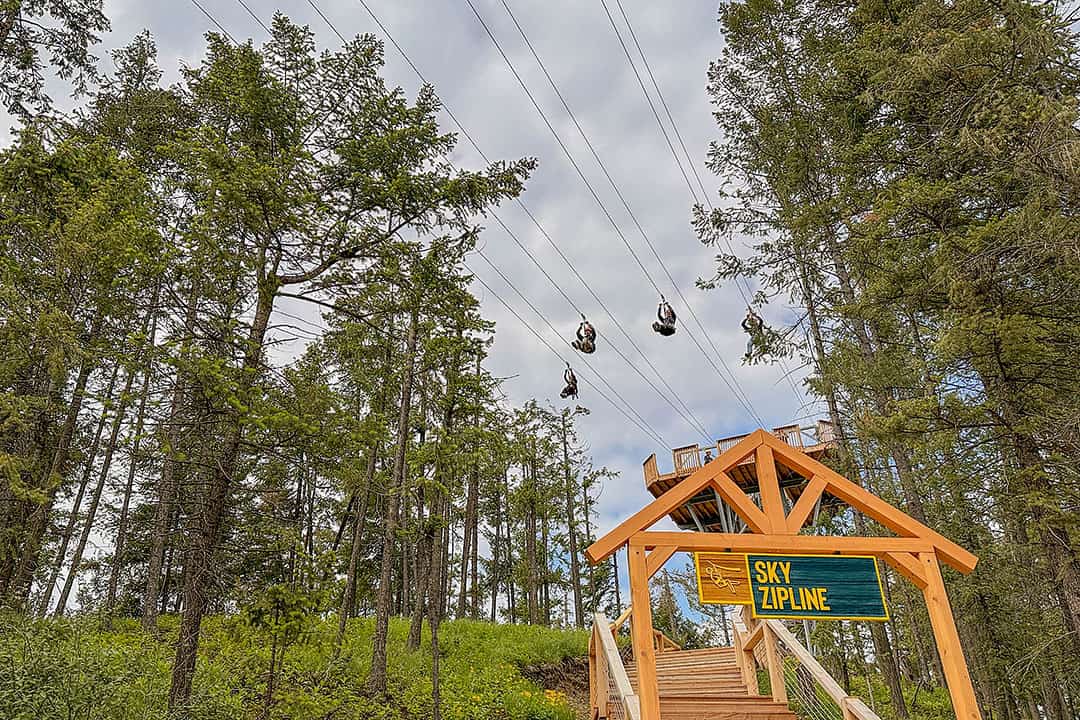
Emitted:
pixel 916 552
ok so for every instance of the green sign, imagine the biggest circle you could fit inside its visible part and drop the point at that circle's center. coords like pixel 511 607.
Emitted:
pixel 814 587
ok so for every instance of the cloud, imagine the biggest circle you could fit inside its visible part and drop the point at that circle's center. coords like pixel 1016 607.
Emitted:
pixel 583 55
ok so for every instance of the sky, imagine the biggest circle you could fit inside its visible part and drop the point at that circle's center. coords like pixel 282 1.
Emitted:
pixel 580 49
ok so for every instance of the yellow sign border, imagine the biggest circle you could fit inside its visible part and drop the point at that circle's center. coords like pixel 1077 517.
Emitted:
pixel 877 572
pixel 697 575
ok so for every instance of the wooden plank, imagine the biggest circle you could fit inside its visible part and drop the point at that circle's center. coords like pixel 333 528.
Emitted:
pixel 790 544
pixel 965 706
pixel 658 557
pixel 609 655
pixel 772 504
pixel 776 669
pixel 909 566
pixel 594 684
pixel 604 547
pixel 871 505
pixel 805 505
pixel 740 502
pixel 642 633
pixel 619 621
pixel 754 637
pixel 746 664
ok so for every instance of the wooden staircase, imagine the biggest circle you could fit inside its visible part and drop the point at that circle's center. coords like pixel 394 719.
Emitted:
pixel 707 685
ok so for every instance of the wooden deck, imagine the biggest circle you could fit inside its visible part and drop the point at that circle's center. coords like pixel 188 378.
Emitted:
pixel 704 512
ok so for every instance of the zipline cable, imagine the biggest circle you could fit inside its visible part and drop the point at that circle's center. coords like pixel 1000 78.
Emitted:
pixel 573 269
pixel 689 416
pixel 650 434
pixel 742 398
pixel 691 420
pixel 675 127
pixel 214 20
pixel 585 360
pixel 643 424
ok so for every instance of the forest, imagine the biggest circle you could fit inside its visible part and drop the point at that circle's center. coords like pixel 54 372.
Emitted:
pixel 197 523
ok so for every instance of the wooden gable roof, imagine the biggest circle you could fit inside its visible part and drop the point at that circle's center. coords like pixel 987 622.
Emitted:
pixel 772 518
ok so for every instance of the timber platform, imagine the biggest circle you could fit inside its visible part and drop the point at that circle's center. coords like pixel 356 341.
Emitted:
pixel 706 511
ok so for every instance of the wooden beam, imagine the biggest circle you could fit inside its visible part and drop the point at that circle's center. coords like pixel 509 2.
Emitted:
pixel 598 676
pixel 741 503
pixel 794 544
pixel 670 500
pixel 805 504
pixel 965 706
pixel 776 668
pixel 771 502
pixel 618 623
pixel 657 558
pixel 909 566
pixel 871 505
pixel 648 689
pixel 754 637
pixel 739 451
pixel 745 661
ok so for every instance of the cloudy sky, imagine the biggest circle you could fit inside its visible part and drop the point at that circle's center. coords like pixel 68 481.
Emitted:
pixel 576 41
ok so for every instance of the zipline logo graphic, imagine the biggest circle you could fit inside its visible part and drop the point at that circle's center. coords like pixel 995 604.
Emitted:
pixel 721 579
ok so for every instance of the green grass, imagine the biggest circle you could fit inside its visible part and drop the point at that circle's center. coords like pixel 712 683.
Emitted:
pixel 71 669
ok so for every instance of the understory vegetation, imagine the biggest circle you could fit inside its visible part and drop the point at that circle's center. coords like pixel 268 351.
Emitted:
pixel 60 669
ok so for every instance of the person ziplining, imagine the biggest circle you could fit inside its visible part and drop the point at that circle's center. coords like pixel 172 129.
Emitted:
pixel 586 337
pixel 665 318
pixel 571 384
pixel 752 325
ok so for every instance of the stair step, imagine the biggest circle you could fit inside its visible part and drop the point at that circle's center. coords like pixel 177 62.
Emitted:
pixel 707 708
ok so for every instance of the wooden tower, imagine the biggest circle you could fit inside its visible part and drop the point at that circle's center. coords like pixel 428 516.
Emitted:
pixel 773 525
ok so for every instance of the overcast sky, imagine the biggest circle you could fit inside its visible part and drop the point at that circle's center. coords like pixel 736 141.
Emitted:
pixel 577 43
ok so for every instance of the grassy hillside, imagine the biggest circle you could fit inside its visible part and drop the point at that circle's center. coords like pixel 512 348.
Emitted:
pixel 72 669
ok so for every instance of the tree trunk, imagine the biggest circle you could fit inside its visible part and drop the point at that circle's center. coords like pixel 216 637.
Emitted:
pixel 435 608
pixel 377 678
pixel 531 579
pixel 167 487
pixel 468 538
pixel 571 525
pixel 122 522
pixel 18 592
pixel 95 499
pixel 76 505
pixel 348 599
pixel 205 527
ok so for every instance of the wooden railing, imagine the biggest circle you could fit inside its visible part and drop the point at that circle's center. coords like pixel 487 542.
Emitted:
pixel 610 693
pixel 649 467
pixel 661 642
pixel 790 666
pixel 686 458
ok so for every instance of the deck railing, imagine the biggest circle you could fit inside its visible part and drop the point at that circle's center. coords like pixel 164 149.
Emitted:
pixel 689 457
pixel 610 693
pixel 795 675
pixel 649 467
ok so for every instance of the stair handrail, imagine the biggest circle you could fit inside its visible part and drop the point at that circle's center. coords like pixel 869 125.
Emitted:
pixel 661 642
pixel 750 633
pixel 605 663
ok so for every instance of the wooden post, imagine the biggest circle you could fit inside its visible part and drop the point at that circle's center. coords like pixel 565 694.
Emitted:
pixel 776 668
pixel 745 660
pixel 965 706
pixel 641 628
pixel 601 679
pixel 593 666
pixel 772 502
